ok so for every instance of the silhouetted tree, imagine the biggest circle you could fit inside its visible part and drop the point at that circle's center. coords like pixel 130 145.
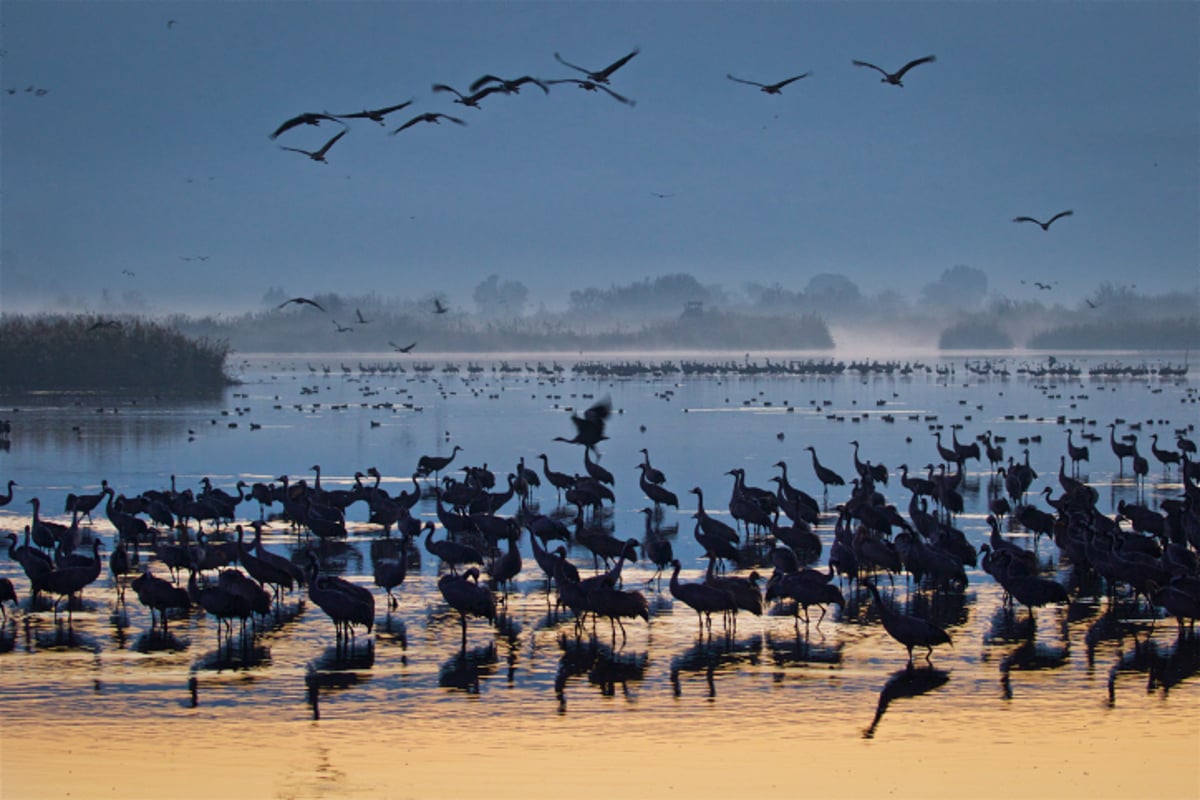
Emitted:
pixel 496 298
pixel 960 287
pixel 831 292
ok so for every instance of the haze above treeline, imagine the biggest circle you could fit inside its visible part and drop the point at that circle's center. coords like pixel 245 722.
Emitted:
pixel 959 310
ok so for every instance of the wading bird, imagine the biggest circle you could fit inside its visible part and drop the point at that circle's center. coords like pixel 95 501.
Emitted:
pixel 375 114
pixel 429 116
pixel 309 118
pixel 302 301
pixel 894 78
pixel 1045 225
pixel 591 86
pixel 318 155
pixel 600 76
pixel 769 88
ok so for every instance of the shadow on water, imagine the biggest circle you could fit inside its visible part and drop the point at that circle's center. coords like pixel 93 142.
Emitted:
pixel 907 682
pixel 155 641
pixel 713 655
pixel 1164 667
pixel 466 669
pixel 804 651
pixel 602 666
pixel 338 668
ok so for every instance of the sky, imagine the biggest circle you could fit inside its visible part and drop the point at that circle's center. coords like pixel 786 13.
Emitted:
pixel 134 139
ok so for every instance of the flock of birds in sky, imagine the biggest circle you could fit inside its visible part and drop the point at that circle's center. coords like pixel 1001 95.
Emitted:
pixel 593 81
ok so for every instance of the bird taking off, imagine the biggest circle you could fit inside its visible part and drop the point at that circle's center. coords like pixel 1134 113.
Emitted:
pixel 361 319
pixel 318 155
pixel 894 77
pixel 600 76
pixel 302 301
pixel 1045 225
pixel 769 88
pixel 589 429
pixel 438 308
pixel 399 349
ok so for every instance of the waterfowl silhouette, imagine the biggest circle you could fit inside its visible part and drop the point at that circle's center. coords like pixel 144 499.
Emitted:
pixel 429 116
pixel 599 76
pixel 318 155
pixel 302 301
pixel 894 78
pixel 374 114
pixel 769 88
pixel 1045 226
pixel 308 118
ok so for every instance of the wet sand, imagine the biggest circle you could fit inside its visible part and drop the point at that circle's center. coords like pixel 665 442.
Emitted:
pixel 711 754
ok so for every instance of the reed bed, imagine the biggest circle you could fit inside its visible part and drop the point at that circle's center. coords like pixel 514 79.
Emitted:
pixel 86 352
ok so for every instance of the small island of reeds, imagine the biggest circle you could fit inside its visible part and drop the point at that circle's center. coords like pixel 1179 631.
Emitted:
pixel 90 353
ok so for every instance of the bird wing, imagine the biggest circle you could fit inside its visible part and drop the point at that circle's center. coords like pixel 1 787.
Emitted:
pixel 1026 219
pixel 599 411
pixel 616 65
pixel 307 118
pixel 331 142
pixel 396 107
pixel 563 61
pixel 294 150
pixel 410 123
pixel 872 66
pixel 616 96
pixel 784 83
pixel 913 63
pixel 1066 213
pixel 740 80
pixel 453 119
pixel 441 87
pixel 530 79
pixel 482 79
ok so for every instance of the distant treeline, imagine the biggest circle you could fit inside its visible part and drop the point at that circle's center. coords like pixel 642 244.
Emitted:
pixel 1122 334
pixel 338 329
pixel 48 352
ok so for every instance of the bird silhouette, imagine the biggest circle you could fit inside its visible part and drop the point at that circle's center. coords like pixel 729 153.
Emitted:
pixel 589 429
pixel 599 76
pixel 1045 225
pixel 341 328
pixel 438 308
pixel 8 593
pixel 469 100
pixel 468 597
pixel 399 349
pixel 104 323
pixel 894 78
pixel 361 320
pixel 308 118
pixel 908 630
pixel 591 86
pixel 429 116
pixel 769 88
pixel 318 155
pixel 508 86
pixel 302 301
pixel 374 114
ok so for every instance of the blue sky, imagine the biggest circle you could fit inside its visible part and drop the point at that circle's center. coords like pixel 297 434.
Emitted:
pixel 150 145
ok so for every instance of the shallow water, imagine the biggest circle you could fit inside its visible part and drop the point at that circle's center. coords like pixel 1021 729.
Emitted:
pixel 1071 692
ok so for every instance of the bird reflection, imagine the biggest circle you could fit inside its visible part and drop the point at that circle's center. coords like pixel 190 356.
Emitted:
pixel 602 666
pixel 247 656
pixel 801 650
pixel 155 641
pixel 1030 656
pixel 907 682
pixel 1164 667
pixel 465 668
pixel 712 655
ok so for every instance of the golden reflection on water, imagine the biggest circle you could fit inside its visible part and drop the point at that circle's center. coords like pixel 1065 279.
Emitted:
pixel 772 753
